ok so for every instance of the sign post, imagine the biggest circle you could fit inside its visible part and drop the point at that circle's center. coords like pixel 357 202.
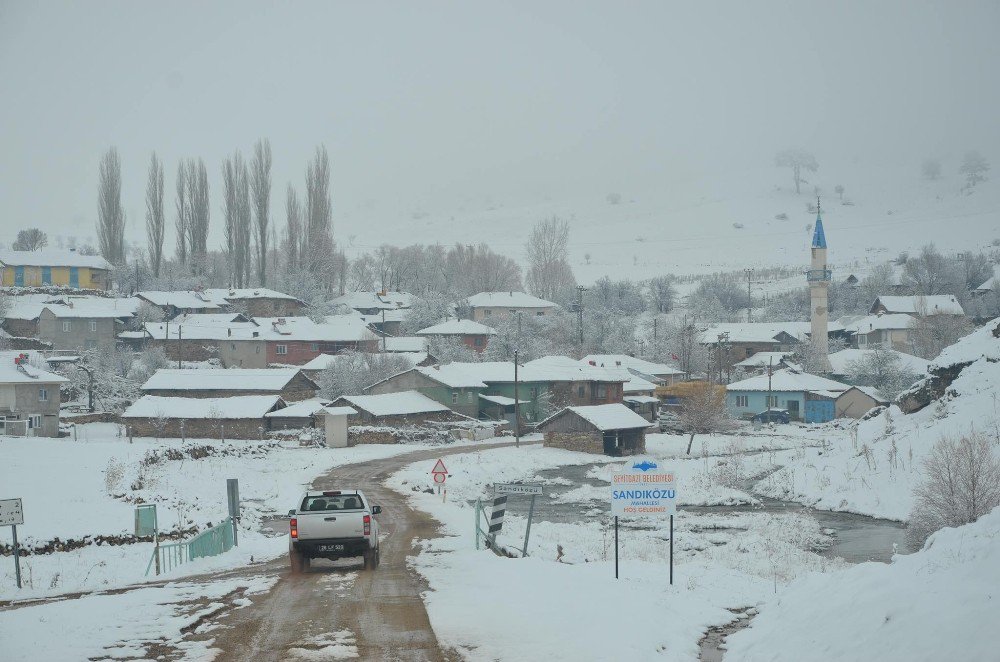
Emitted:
pixel 233 494
pixel 440 474
pixel 12 514
pixel 523 489
pixel 146 525
pixel 644 490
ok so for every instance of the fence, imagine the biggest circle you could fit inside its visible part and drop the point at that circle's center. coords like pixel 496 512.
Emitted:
pixel 210 542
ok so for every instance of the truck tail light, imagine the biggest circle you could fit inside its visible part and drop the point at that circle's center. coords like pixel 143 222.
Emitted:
pixel 368 525
pixel 293 526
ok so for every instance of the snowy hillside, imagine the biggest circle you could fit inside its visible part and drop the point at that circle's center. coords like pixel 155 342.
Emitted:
pixel 687 226
pixel 938 603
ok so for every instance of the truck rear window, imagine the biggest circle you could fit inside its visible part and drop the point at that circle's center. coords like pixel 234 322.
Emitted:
pixel 338 502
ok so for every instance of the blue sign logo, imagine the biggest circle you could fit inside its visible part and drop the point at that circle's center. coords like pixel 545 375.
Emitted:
pixel 645 465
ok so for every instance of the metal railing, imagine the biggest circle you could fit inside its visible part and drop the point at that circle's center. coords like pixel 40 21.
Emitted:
pixel 819 275
pixel 210 542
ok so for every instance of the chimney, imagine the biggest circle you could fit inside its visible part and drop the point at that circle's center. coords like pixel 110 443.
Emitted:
pixel 229 332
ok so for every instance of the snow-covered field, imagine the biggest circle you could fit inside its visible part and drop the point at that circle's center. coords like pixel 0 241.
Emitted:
pixel 89 487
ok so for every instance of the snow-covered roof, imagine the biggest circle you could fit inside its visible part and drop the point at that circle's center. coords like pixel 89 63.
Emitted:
pixel 508 300
pixel 457 328
pixel 501 400
pixel 871 392
pixel 27 374
pixel 300 409
pixel 334 328
pixel 240 407
pixel 230 331
pixel 606 417
pixel 935 304
pixel 221 379
pixel 392 315
pixel 406 344
pixel 210 319
pixel 394 404
pixel 563 368
pixel 630 363
pixel 477 375
pixel 988 285
pixel 787 381
pixel 641 399
pixel 764 359
pixel 339 411
pixel 753 332
pixel 189 300
pixel 51 258
pixel 839 361
pixel 30 306
pixel 223 295
pixel 384 300
pixel 879 323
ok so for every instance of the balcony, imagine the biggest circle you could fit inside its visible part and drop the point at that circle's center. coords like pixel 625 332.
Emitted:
pixel 817 275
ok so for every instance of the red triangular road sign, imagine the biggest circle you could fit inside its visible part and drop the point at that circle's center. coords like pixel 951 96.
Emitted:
pixel 439 468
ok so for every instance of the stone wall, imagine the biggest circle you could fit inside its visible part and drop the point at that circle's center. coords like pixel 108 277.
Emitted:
pixel 196 428
pixel 292 395
pixel 585 442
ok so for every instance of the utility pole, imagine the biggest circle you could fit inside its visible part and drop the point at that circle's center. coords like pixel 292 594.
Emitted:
pixel 749 273
pixel 770 370
pixel 383 330
pixel 517 408
pixel 579 311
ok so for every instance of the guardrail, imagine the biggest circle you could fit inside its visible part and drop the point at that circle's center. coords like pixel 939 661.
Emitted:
pixel 210 542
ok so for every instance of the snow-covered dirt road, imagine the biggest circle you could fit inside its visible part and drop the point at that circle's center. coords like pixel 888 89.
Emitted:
pixel 337 610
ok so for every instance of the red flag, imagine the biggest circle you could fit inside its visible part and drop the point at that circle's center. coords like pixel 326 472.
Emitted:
pixel 675 357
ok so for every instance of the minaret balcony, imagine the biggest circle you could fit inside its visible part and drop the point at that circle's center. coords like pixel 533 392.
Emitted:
pixel 819 275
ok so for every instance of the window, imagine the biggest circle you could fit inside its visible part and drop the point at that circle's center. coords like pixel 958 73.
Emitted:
pixel 602 391
pixel 771 401
pixel 581 390
pixel 749 352
pixel 34 421
pixel 314 346
pixel 454 397
pixel 281 350
pixel 540 313
pixel 862 340
pixel 67 326
pixel 93 326
pixel 43 395
pixel 470 397
pixel 232 346
pixel 479 341
pixel 258 349
pixel 532 392
pixel 742 401
pixel 488 312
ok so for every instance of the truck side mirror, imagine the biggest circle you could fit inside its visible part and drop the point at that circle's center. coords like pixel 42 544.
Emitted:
pixel 291 513
pixel 376 510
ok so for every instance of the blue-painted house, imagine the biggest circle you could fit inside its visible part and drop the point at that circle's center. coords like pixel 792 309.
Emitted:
pixel 807 397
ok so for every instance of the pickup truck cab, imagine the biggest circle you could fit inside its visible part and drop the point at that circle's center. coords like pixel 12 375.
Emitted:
pixel 333 524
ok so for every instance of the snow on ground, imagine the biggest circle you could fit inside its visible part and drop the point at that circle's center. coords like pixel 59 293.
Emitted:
pixel 67 495
pixel 489 607
pixel 939 603
pixel 125 625
pixel 879 481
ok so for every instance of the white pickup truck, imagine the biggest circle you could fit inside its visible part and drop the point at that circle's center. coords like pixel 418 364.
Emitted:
pixel 333 525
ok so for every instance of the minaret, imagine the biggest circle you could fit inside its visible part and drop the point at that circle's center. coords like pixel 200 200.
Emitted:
pixel 818 277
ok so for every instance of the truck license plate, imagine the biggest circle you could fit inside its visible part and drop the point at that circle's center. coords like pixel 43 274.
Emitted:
pixel 331 548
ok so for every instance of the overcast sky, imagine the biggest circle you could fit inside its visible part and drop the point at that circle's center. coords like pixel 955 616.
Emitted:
pixel 430 103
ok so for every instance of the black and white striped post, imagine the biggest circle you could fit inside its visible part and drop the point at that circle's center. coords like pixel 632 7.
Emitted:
pixel 496 517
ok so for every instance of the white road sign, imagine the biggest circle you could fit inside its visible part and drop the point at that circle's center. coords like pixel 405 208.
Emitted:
pixel 643 489
pixel 517 488
pixel 10 512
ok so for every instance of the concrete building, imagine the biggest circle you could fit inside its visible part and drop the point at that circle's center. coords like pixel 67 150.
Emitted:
pixel 29 398
pixel 69 322
pixel 335 425
pixel 611 429
pixel 917 305
pixel 486 305
pixel 241 417
pixel 658 373
pixel 256 301
pixel 818 277
pixel 857 401
pixel 291 384
pixel 371 303
pixel 175 303
pixel 889 330
pixel 54 268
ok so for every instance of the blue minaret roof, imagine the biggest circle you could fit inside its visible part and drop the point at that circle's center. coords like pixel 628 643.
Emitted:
pixel 819 237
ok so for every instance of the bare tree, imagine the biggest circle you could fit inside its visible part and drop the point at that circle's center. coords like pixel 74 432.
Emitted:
pixel 961 483
pixel 30 239
pixel 662 293
pixel 197 176
pixel 703 411
pixel 798 160
pixel 881 368
pixel 931 273
pixel 549 273
pixel 155 220
pixel 110 213
pixel 260 184
pixel 236 207
pixel 183 206
pixel 319 213
pixel 974 167
pixel 293 229
pixel 929 334
pixel 931 169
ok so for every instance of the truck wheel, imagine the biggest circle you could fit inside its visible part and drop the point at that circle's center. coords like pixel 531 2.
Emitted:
pixel 296 561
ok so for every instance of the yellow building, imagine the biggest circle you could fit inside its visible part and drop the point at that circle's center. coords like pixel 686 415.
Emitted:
pixel 54 267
